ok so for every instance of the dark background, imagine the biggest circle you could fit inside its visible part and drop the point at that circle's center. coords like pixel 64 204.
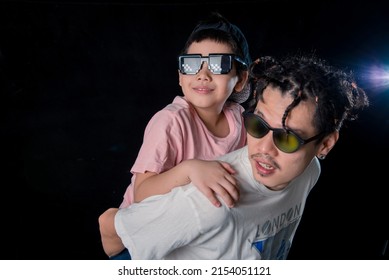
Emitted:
pixel 80 80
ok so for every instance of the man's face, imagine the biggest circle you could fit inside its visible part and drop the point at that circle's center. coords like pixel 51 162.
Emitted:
pixel 271 166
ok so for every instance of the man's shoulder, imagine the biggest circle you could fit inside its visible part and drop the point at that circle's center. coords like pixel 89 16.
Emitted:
pixel 209 215
pixel 314 167
pixel 310 176
pixel 232 156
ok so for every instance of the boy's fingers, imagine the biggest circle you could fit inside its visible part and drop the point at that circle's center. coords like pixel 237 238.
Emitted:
pixel 212 197
pixel 227 196
pixel 227 167
pixel 231 187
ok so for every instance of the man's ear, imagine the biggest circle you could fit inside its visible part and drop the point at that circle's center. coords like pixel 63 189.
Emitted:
pixel 327 144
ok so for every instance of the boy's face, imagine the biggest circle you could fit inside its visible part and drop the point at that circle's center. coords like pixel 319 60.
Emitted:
pixel 206 90
pixel 270 166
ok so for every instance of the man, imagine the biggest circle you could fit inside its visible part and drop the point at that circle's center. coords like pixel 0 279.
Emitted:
pixel 299 105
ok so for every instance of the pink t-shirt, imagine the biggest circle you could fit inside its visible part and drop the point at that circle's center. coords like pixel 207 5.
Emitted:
pixel 176 133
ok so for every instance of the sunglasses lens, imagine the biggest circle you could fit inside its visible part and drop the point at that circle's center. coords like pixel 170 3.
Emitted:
pixel 286 142
pixel 220 64
pixel 254 126
pixel 189 64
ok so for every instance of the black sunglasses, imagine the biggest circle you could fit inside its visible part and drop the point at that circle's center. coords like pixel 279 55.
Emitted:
pixel 218 63
pixel 285 140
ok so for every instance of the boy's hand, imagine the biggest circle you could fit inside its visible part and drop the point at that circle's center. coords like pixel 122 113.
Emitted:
pixel 215 178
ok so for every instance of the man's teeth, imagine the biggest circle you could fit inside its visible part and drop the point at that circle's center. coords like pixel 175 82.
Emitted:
pixel 266 166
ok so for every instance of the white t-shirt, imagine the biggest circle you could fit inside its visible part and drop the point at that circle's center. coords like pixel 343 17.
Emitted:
pixel 177 133
pixel 183 224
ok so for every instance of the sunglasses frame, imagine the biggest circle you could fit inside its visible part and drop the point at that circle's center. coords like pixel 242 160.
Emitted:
pixel 203 59
pixel 277 131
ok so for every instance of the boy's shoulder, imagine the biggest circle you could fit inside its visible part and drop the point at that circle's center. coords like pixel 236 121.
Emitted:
pixel 179 104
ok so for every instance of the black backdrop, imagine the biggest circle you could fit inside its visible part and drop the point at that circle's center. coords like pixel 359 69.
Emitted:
pixel 80 80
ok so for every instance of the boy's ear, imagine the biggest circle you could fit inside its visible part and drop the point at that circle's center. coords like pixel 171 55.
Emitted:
pixel 242 81
pixel 179 77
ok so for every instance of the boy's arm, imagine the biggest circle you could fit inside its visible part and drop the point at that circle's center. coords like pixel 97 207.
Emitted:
pixel 210 177
pixel 112 244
